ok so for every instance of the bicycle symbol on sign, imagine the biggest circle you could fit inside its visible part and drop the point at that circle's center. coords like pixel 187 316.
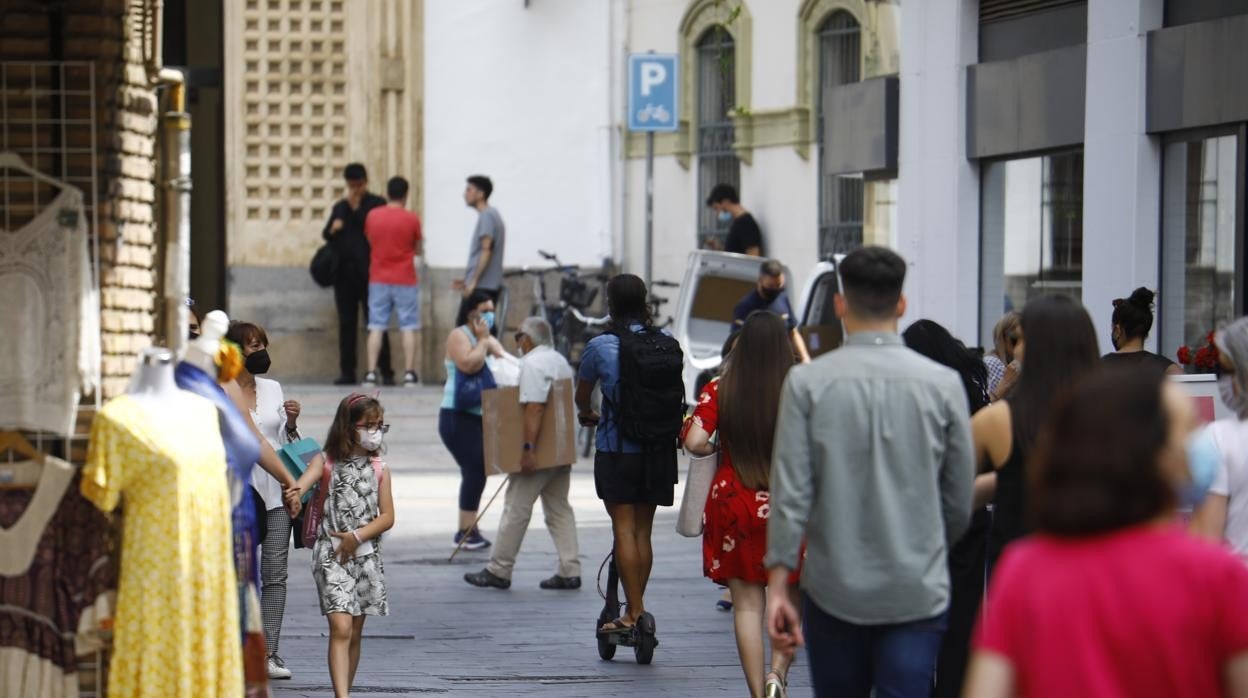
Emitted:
pixel 656 112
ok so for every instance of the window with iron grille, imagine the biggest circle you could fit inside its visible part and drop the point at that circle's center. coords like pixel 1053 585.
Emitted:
pixel 841 197
pixel 1063 199
pixel 717 161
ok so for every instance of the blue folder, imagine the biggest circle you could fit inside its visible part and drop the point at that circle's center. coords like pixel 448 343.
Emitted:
pixel 297 457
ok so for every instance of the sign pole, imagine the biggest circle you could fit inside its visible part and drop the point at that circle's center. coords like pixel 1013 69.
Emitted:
pixel 652 106
pixel 649 207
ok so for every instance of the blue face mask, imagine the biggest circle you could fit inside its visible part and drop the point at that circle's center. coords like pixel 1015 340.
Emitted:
pixel 724 217
pixel 1203 461
pixel 488 316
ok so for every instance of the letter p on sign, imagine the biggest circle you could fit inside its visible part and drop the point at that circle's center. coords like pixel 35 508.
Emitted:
pixel 652 73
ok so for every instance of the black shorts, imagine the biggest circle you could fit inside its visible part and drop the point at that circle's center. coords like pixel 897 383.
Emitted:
pixel 635 478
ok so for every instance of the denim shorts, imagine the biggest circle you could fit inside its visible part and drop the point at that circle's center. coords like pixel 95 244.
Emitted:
pixel 386 298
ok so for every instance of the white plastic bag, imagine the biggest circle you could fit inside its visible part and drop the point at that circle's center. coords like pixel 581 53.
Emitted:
pixel 697 489
pixel 506 370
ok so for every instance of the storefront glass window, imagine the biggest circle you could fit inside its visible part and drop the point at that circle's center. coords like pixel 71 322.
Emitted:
pixel 1031 239
pixel 1199 270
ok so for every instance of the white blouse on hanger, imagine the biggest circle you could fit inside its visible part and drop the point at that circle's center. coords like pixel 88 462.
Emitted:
pixel 50 345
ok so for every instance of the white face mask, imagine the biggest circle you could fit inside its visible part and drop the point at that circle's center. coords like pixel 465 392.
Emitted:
pixel 370 440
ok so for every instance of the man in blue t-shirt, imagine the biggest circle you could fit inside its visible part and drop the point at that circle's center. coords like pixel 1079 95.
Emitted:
pixel 769 295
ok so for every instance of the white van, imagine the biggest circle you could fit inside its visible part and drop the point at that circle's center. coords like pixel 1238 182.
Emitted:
pixel 715 282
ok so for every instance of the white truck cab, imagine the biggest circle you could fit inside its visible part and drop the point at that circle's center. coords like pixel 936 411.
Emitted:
pixel 715 282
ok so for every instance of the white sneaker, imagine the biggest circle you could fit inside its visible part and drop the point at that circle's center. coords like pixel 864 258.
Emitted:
pixel 277 668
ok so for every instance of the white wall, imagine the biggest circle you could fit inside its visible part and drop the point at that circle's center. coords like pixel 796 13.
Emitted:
pixel 521 95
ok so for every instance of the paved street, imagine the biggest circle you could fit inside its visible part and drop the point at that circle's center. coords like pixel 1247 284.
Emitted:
pixel 444 636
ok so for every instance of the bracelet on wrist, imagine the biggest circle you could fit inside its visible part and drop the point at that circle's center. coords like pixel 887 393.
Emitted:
pixel 356 534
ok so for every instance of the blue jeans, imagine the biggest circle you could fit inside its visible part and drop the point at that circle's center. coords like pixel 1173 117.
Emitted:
pixel 848 660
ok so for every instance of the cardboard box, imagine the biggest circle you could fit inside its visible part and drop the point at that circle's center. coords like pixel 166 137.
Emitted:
pixel 502 419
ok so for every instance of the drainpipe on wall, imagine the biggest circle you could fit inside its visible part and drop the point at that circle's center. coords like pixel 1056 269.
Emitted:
pixel 176 218
pixel 175 178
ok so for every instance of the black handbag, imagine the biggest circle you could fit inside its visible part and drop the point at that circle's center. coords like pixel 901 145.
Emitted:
pixel 324 266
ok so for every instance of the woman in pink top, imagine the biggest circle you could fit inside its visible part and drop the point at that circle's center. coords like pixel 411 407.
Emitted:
pixel 1110 598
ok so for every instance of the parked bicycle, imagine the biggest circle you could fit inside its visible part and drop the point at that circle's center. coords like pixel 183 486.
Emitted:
pixel 571 320
pixel 657 302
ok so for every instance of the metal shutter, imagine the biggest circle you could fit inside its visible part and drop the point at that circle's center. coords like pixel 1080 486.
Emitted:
pixel 997 10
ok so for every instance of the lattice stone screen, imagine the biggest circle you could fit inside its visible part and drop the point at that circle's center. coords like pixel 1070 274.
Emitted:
pixel 310 86
pixel 295 97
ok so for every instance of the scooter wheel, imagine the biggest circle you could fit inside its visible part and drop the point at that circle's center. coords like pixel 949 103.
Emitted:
pixel 645 640
pixel 606 648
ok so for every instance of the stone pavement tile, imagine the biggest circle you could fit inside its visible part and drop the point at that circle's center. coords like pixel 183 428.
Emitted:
pixel 444 636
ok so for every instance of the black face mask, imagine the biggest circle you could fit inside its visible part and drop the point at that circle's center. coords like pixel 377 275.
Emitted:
pixel 770 294
pixel 257 363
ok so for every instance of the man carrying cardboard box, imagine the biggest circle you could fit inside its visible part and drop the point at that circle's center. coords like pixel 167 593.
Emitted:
pixel 540 367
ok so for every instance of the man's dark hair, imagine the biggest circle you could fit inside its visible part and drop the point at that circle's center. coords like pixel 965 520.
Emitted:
pixel 354 172
pixel 873 278
pixel 771 269
pixel 482 183
pixel 626 301
pixel 396 188
pixel 1095 470
pixel 721 193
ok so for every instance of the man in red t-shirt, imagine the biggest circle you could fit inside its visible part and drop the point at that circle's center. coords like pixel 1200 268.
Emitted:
pixel 393 235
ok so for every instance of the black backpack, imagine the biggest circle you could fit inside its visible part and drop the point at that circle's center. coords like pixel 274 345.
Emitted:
pixel 652 388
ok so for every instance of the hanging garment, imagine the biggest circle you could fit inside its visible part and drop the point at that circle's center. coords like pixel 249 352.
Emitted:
pixel 57 583
pixel 242 450
pixel 177 629
pixel 51 312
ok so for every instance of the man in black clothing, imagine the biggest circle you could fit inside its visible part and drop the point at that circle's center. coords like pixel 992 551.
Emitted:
pixel 770 296
pixel 744 235
pixel 345 233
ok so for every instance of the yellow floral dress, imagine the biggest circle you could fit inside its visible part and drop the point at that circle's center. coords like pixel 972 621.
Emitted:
pixel 177 629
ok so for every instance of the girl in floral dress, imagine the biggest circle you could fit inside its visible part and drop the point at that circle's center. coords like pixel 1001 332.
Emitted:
pixel 742 406
pixel 358 508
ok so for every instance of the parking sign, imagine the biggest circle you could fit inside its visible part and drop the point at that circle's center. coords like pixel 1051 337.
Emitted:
pixel 652 79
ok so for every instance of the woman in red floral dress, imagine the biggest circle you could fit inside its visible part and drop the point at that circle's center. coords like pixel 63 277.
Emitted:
pixel 742 406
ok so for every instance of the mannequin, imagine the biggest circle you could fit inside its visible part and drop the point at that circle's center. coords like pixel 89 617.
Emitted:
pixel 153 381
pixel 202 351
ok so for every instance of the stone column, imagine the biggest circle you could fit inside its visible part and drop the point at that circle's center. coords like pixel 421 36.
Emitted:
pixel 938 191
pixel 1121 163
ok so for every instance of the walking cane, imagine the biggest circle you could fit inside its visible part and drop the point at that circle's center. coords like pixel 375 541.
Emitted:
pixel 484 509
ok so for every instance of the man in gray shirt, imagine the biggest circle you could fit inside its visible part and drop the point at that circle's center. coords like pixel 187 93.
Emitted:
pixel 485 256
pixel 873 467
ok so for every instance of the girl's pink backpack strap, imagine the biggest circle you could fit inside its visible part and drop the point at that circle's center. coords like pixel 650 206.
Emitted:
pixel 379 470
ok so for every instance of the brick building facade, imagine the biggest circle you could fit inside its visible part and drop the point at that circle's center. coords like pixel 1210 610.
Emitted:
pixel 109 35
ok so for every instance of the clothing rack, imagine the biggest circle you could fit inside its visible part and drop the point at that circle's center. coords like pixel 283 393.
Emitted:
pixel 48 141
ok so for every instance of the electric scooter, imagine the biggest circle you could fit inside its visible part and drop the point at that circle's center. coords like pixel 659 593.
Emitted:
pixel 641 637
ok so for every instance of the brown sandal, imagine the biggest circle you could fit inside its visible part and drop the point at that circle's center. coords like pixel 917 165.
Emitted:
pixel 615 627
